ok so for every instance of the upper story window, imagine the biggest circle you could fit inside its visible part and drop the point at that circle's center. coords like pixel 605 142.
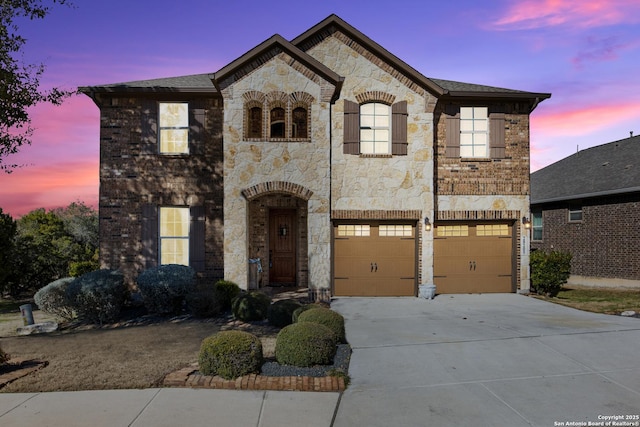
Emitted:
pixel 474 132
pixel 286 116
pixel 536 223
pixel 375 128
pixel 173 127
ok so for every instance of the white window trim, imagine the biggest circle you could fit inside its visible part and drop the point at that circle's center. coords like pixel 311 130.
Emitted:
pixel 161 128
pixel 374 128
pixel 473 132
pixel 162 238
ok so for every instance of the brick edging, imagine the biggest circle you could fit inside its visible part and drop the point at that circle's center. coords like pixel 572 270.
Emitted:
pixel 189 377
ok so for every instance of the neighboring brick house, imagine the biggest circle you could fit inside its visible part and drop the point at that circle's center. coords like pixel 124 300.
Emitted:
pixel 334 162
pixel 589 205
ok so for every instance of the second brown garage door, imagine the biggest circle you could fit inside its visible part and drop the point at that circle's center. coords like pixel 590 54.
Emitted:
pixel 473 258
pixel 374 259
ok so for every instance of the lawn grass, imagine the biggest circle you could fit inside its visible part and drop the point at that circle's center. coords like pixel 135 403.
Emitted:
pixel 598 300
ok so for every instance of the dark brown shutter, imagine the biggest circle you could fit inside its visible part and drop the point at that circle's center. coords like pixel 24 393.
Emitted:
pixel 399 128
pixel 149 127
pixel 197 130
pixel 351 127
pixel 149 236
pixel 453 131
pixel 197 238
pixel 496 135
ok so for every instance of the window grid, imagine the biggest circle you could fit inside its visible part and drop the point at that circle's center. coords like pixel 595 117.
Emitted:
pixel 474 132
pixel 174 236
pixel 375 128
pixel 453 230
pixel 354 230
pixel 395 230
pixel 173 127
pixel 492 230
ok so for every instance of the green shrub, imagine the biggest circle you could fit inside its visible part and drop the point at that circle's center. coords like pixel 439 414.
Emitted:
pixel 226 291
pixel 281 312
pixel 78 268
pixel 549 271
pixel 164 288
pixel 203 303
pixel 250 306
pixel 98 296
pixel 298 311
pixel 230 354
pixel 328 318
pixel 52 299
pixel 305 344
pixel 4 357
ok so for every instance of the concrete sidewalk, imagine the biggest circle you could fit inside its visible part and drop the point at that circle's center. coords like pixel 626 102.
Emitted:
pixel 168 407
pixel 487 360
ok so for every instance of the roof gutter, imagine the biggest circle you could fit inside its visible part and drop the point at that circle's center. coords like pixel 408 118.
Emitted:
pixel 587 195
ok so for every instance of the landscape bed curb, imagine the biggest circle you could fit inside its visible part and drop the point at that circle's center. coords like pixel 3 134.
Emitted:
pixel 191 378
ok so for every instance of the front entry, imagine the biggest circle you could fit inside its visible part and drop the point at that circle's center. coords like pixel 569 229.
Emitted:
pixel 282 246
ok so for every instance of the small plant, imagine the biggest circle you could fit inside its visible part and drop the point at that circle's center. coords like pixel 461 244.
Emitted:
pixel 250 306
pixel 549 271
pixel 226 291
pixel 340 373
pixel 52 299
pixel 203 303
pixel 98 296
pixel 165 287
pixel 305 344
pixel 230 354
pixel 298 311
pixel 4 357
pixel 281 312
pixel 329 318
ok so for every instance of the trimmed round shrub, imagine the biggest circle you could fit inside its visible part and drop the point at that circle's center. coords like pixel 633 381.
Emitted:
pixel 52 299
pixel 305 344
pixel 203 303
pixel 328 318
pixel 226 292
pixel 298 311
pixel 164 288
pixel 230 354
pixel 281 312
pixel 98 296
pixel 250 306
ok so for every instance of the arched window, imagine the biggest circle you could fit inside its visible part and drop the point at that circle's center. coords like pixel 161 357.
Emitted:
pixel 375 136
pixel 254 130
pixel 277 123
pixel 299 123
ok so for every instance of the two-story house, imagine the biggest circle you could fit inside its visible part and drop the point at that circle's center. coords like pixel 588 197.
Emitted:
pixel 335 163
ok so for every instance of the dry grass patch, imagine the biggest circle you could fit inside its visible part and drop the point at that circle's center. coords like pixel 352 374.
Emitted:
pixel 598 300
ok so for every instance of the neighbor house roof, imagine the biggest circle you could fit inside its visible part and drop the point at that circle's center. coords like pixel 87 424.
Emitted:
pixel 191 83
pixel 604 170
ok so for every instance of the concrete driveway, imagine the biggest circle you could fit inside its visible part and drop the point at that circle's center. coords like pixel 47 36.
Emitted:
pixel 487 360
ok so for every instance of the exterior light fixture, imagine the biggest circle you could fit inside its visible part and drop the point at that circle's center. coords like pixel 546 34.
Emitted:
pixel 526 222
pixel 283 230
pixel 427 224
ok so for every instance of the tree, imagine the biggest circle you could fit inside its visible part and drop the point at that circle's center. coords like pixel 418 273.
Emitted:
pixel 19 82
pixel 7 235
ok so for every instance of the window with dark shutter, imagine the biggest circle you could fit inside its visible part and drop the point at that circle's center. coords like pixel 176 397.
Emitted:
pixel 197 238
pixel 399 128
pixel 197 130
pixel 149 127
pixel 351 143
pixel 149 236
pixel 452 139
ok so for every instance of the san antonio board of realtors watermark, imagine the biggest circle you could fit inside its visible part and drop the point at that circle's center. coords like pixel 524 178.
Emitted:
pixel 604 421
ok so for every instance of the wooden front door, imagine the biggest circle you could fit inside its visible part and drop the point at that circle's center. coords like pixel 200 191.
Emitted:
pixel 282 246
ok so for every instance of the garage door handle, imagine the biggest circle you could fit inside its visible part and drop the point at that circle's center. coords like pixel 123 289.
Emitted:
pixel 472 265
pixel 374 267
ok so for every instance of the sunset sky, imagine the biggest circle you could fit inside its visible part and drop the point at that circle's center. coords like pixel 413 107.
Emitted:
pixel 585 52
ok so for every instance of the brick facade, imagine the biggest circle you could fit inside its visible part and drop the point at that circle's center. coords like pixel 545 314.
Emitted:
pixel 130 177
pixel 603 244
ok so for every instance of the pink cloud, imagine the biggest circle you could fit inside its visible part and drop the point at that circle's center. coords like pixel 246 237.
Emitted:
pixel 532 14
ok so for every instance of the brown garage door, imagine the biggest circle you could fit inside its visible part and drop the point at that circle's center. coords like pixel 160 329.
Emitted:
pixel 374 259
pixel 473 258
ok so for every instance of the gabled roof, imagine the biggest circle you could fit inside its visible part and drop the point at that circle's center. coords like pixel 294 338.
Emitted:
pixel 608 169
pixel 276 43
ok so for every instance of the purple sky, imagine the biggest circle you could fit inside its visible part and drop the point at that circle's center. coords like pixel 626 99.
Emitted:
pixel 585 52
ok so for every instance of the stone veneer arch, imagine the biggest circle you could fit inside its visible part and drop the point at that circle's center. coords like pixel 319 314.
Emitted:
pixel 274 187
pixel 375 96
